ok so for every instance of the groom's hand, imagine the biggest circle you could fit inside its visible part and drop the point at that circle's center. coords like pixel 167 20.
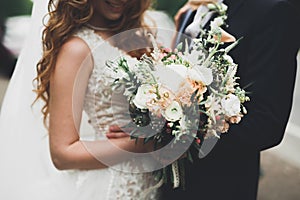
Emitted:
pixel 178 15
pixel 191 4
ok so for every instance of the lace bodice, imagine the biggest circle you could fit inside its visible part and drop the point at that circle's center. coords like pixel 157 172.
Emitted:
pixel 102 105
pixel 105 107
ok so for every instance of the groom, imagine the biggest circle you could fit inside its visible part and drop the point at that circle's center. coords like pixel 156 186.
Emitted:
pixel 267 66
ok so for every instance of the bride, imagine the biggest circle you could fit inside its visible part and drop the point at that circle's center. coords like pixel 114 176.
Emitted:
pixel 69 158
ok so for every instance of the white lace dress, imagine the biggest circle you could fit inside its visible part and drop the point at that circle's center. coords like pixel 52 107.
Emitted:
pixel 110 184
pixel 102 184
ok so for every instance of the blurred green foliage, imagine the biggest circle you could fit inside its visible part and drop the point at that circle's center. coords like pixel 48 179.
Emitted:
pixel 10 8
pixel 170 6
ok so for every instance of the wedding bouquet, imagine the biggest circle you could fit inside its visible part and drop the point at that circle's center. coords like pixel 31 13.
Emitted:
pixel 183 96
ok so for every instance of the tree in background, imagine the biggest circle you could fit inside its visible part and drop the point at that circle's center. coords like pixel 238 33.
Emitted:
pixel 10 8
pixel 15 7
pixel 23 7
pixel 170 6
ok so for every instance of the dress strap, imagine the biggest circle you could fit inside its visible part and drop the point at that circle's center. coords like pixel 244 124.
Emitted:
pixel 89 36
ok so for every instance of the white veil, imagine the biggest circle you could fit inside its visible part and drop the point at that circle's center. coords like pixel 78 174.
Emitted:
pixel 24 150
pixel 25 162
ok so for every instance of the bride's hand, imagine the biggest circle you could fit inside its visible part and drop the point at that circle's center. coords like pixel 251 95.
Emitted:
pixel 116 133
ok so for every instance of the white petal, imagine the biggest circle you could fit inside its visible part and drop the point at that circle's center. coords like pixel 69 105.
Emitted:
pixel 173 112
pixel 202 74
pixel 171 76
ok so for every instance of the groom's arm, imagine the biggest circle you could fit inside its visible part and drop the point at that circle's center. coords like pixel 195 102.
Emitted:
pixel 270 67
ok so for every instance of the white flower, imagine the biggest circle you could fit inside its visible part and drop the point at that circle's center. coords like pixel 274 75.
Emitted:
pixel 213 107
pixel 171 76
pixel 179 69
pixel 211 6
pixel 156 51
pixel 192 57
pixel 231 105
pixel 132 63
pixel 173 112
pixel 183 123
pixel 228 59
pixel 201 74
pixel 223 7
pixel 143 96
pixel 216 23
pixel 231 78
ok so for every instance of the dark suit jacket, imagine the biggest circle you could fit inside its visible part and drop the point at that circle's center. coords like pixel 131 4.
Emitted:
pixel 267 65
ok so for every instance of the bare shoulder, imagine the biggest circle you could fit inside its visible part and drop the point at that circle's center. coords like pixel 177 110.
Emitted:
pixel 74 63
pixel 73 54
pixel 75 47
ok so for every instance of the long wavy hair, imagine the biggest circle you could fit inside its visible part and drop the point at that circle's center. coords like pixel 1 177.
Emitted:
pixel 65 17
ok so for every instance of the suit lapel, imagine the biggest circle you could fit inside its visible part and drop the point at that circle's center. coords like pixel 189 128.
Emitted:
pixel 233 7
pixel 187 18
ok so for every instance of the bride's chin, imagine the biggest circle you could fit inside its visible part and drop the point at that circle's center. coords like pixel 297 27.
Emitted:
pixel 113 19
pixel 114 16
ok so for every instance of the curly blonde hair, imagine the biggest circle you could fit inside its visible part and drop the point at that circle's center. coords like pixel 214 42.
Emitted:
pixel 65 17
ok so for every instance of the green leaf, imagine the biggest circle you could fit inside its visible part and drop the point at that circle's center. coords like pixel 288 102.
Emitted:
pixel 179 46
pixel 230 47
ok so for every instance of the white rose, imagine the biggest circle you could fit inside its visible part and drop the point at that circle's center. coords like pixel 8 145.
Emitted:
pixel 201 74
pixel 173 112
pixel 231 104
pixel 143 96
pixel 216 23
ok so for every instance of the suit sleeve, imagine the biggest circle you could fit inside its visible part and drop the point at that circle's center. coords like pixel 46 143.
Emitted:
pixel 269 68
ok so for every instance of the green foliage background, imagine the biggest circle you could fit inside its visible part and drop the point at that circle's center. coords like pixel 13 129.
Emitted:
pixel 10 8
pixel 170 6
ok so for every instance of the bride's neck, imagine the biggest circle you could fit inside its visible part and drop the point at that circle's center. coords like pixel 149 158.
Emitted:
pixel 98 22
pixel 101 22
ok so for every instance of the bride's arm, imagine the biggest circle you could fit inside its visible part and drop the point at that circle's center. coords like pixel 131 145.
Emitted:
pixel 67 88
